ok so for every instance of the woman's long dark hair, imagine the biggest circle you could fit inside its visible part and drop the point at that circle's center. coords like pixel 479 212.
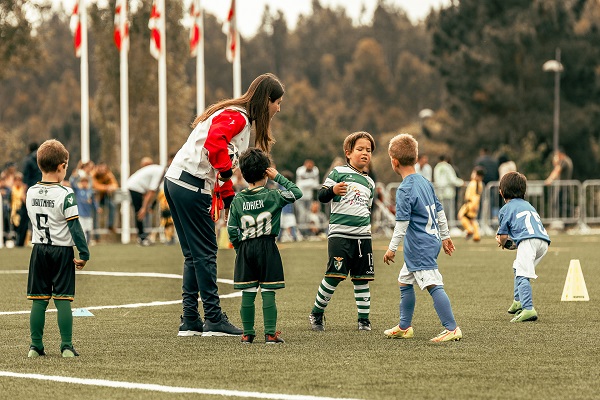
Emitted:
pixel 265 88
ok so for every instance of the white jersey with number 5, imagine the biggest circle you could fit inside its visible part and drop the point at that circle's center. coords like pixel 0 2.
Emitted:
pixel 50 206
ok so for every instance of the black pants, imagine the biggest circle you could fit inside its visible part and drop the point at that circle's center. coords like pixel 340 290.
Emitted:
pixel 196 231
pixel 137 199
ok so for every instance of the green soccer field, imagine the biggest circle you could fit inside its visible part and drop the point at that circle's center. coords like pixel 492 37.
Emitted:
pixel 130 349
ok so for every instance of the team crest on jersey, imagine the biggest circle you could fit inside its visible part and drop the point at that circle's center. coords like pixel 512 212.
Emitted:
pixel 337 263
pixel 43 191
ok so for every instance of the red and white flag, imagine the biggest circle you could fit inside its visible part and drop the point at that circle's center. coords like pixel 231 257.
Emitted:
pixel 195 27
pixel 230 28
pixel 75 25
pixel 121 34
pixel 156 28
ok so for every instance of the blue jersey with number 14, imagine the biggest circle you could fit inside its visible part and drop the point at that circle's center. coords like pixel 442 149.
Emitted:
pixel 417 203
pixel 519 220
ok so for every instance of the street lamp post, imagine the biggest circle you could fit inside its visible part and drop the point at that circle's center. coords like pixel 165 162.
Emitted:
pixel 556 67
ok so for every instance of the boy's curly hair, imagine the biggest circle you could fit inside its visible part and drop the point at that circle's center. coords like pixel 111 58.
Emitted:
pixel 513 185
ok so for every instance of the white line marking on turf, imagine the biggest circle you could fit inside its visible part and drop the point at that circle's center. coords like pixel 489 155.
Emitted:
pixel 162 388
pixel 131 274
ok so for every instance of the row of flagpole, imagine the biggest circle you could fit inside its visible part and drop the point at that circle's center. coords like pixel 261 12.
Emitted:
pixel 78 25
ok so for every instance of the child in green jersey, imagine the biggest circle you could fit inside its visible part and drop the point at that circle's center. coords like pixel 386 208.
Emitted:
pixel 351 191
pixel 253 226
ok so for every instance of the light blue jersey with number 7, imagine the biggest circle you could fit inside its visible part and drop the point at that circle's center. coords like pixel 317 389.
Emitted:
pixel 417 203
pixel 519 220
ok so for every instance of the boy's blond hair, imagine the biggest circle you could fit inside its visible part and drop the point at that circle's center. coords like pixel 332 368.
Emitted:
pixel 404 148
pixel 51 154
pixel 352 138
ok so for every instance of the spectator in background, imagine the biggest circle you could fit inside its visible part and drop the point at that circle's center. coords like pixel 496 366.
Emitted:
pixel 445 185
pixel 562 171
pixel 17 200
pixel 422 167
pixel 468 212
pixel 307 179
pixel 317 221
pixel 86 202
pixel 505 165
pixel 105 185
pixel 145 161
pixel 31 176
pixel 289 225
pixel 143 186
pixel 490 174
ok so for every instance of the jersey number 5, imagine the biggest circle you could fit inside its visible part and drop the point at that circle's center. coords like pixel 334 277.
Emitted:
pixel 43 228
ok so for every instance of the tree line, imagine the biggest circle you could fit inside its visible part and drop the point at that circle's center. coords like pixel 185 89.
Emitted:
pixel 477 65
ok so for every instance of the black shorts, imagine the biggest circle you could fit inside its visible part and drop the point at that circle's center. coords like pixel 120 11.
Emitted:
pixel 51 273
pixel 350 256
pixel 258 263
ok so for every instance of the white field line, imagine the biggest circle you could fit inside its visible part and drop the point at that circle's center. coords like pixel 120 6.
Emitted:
pixel 162 388
pixel 129 274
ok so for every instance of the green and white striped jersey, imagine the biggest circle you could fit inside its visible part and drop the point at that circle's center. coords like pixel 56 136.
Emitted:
pixel 50 206
pixel 351 214
pixel 257 212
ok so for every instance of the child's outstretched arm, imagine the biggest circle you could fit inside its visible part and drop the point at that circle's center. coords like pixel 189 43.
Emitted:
pixel 399 232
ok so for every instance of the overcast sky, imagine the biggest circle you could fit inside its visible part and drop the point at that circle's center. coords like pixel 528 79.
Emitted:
pixel 250 11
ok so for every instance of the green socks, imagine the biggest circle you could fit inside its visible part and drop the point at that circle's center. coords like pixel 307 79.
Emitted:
pixel 65 322
pixel 362 296
pixel 324 294
pixel 269 312
pixel 37 319
pixel 247 312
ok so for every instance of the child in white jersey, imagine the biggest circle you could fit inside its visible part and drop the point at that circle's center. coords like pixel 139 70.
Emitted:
pixel 349 246
pixel 52 209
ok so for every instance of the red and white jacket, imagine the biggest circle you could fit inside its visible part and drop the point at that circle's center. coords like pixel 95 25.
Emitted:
pixel 205 152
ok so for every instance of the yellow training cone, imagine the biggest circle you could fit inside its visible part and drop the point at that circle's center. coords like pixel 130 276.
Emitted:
pixel 575 289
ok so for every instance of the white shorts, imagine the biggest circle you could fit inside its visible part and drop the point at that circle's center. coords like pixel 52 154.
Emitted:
pixel 529 254
pixel 423 278
pixel 87 224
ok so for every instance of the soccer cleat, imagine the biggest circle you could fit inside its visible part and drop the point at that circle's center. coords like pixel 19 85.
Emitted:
pixel 448 336
pixel 364 324
pixel 525 315
pixel 317 321
pixel 68 351
pixel 273 339
pixel 221 328
pixel 515 307
pixel 399 333
pixel 247 339
pixel 35 352
pixel 190 328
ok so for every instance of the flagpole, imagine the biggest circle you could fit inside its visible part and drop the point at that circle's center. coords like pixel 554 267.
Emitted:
pixel 162 88
pixel 200 99
pixel 85 97
pixel 124 81
pixel 237 60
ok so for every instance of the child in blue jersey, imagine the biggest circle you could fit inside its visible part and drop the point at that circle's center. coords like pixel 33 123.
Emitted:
pixel 351 191
pixel 421 222
pixel 520 228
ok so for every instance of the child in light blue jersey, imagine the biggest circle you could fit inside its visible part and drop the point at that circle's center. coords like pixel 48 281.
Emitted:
pixel 521 229
pixel 351 192
pixel 421 222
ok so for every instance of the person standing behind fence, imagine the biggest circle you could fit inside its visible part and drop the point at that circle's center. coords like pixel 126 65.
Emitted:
pixel 307 179
pixel 445 183
pixel 562 171
pixel 189 183
pixel 31 176
pixel 105 185
pixel 490 174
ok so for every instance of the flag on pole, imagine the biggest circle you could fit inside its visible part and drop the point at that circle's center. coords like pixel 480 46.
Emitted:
pixel 230 28
pixel 75 25
pixel 157 31
pixel 195 28
pixel 121 34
